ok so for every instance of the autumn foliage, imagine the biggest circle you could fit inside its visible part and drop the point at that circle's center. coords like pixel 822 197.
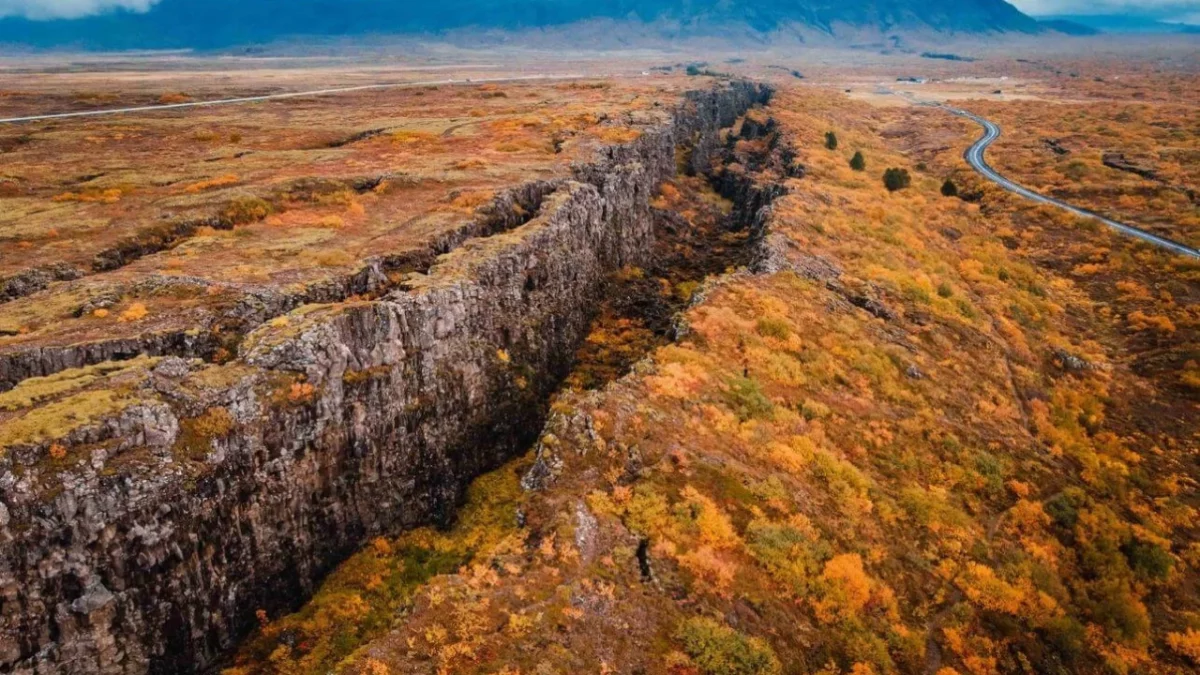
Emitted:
pixel 934 442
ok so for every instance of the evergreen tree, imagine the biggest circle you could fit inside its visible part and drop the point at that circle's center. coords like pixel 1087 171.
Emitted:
pixel 949 189
pixel 858 162
pixel 896 179
pixel 830 140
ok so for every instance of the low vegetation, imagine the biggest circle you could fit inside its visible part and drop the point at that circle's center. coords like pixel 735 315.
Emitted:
pixel 953 432
pixel 1132 160
pixel 932 463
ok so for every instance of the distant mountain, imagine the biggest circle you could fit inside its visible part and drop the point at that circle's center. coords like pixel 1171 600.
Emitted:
pixel 1069 27
pixel 1121 23
pixel 223 23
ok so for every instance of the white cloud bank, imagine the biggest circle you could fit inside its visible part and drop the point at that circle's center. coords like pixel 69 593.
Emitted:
pixel 1158 8
pixel 74 9
pixel 68 9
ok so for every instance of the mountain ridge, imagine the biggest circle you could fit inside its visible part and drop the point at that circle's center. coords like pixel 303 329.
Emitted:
pixel 1106 23
pixel 226 23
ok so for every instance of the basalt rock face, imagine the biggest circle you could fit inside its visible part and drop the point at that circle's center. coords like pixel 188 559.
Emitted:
pixel 754 174
pixel 35 279
pixel 1118 161
pixel 145 540
pixel 258 304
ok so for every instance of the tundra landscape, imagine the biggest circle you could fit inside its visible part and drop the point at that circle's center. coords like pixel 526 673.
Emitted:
pixel 814 351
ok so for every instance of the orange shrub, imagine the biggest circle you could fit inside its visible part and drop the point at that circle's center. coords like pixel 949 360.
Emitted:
pixel 300 392
pixel 219 181
pixel 96 196
pixel 1186 644
pixel 469 201
pixel 1140 320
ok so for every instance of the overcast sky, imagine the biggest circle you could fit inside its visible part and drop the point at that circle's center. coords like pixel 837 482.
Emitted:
pixel 1165 9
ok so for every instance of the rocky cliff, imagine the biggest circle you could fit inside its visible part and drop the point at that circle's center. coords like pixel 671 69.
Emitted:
pixel 157 504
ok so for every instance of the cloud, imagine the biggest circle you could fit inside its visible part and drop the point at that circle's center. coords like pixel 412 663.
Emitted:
pixel 1160 9
pixel 68 9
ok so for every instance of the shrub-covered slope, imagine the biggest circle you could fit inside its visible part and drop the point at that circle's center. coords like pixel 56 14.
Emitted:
pixel 908 445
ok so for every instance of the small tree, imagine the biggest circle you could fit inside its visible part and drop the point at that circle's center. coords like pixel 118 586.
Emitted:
pixel 949 189
pixel 830 140
pixel 858 162
pixel 896 179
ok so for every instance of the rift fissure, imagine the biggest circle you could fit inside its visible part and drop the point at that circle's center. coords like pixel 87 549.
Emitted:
pixel 375 277
pixel 214 492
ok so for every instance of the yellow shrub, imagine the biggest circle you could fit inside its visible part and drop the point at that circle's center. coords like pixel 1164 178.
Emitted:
pixel 714 526
pixel 618 134
pixel 847 591
pixel 134 312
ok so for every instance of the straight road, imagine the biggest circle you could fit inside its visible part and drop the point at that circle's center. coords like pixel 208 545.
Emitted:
pixel 292 94
pixel 975 157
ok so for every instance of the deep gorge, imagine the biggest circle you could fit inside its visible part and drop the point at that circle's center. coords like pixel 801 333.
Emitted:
pixel 344 422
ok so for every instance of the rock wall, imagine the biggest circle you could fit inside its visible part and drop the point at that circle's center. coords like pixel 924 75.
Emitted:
pixel 259 303
pixel 146 540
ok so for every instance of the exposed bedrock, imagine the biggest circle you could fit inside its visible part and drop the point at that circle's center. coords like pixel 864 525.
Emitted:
pixel 146 539
pixel 258 303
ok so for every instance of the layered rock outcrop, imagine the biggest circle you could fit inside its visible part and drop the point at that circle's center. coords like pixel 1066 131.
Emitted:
pixel 256 304
pixel 142 532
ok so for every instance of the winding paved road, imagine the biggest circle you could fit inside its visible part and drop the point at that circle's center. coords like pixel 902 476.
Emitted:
pixel 975 157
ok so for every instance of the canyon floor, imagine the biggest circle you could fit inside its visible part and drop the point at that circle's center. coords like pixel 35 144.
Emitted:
pixel 598 365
